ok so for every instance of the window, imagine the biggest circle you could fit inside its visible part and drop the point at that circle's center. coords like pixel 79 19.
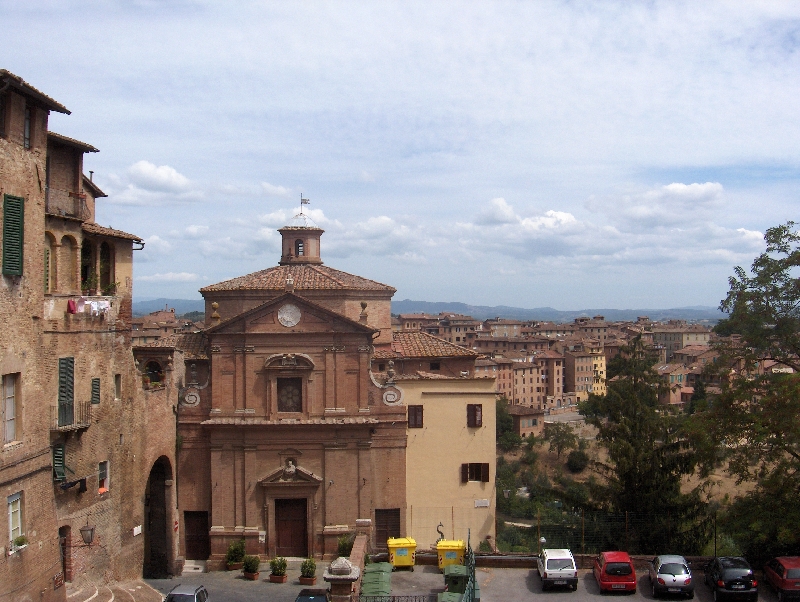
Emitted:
pixel 290 394
pixel 10 408
pixel 15 516
pixel 95 390
pixel 415 417
pixel 298 248
pixel 435 366
pixel 59 467
pixel 117 387
pixel 153 372
pixel 13 234
pixel 102 477
pixel 66 390
pixel 474 415
pixel 27 131
pixel 475 471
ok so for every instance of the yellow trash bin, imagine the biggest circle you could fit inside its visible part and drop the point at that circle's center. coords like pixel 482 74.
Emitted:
pixel 402 551
pixel 450 551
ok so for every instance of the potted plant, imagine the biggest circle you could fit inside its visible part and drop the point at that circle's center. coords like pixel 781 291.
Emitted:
pixel 278 567
pixel 308 572
pixel 20 542
pixel 250 566
pixel 234 557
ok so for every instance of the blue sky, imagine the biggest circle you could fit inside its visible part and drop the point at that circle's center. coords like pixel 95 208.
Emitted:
pixel 571 154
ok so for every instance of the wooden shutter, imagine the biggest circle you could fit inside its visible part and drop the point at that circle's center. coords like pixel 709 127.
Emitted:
pixel 415 417
pixel 465 473
pixel 66 387
pixel 59 472
pixel 485 473
pixel 474 415
pixel 47 270
pixel 13 234
pixel 95 390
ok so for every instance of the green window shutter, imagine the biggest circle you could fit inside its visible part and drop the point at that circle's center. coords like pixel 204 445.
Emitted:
pixel 47 270
pixel 95 390
pixel 59 472
pixel 13 234
pixel 66 390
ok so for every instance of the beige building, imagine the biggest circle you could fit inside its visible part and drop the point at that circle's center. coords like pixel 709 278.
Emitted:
pixel 450 458
pixel 677 334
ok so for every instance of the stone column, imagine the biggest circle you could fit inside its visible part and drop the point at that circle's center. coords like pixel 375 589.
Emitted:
pixel 341 574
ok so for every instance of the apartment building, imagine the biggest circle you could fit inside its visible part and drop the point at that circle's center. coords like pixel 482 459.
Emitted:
pixel 677 334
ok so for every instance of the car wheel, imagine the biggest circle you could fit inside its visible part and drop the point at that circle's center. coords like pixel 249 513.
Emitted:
pixel 575 588
pixel 653 588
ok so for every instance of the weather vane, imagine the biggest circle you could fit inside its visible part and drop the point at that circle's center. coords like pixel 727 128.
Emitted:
pixel 303 202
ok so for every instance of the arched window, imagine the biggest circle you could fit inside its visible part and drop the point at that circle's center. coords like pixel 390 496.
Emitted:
pixel 106 269
pixel 298 248
pixel 153 372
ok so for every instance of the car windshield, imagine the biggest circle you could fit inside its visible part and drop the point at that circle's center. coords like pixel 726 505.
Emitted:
pixel 673 568
pixel 180 598
pixel 556 564
pixel 793 574
pixel 618 568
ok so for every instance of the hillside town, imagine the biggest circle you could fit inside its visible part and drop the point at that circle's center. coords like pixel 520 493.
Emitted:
pixel 297 412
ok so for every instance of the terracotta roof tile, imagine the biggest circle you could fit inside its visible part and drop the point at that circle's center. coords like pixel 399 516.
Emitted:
pixel 92 228
pixel 193 344
pixel 422 344
pixel 67 141
pixel 24 87
pixel 305 276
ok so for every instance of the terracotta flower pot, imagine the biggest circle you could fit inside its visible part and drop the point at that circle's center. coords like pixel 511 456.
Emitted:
pixel 277 578
pixel 251 576
pixel 235 566
pixel 308 580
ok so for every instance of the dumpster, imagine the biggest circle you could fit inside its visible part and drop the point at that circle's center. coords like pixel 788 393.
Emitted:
pixel 402 551
pixel 448 597
pixel 455 578
pixel 450 551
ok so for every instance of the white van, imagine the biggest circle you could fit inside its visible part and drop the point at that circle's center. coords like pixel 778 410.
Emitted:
pixel 557 567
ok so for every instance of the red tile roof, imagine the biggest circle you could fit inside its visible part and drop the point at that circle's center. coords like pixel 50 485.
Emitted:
pixel 193 344
pixel 92 228
pixel 422 344
pixel 305 276
pixel 67 141
pixel 25 88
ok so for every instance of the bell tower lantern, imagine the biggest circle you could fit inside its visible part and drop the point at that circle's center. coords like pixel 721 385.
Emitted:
pixel 300 242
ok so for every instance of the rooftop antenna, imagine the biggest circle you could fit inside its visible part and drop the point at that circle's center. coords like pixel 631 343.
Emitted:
pixel 303 202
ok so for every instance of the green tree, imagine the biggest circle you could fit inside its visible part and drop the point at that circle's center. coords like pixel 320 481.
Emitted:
pixel 650 451
pixel 561 437
pixel 754 419
pixel 507 439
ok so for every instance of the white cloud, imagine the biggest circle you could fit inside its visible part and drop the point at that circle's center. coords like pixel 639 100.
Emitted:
pixel 155 178
pixel 196 231
pixel 157 244
pixel 170 277
pixel 272 190
pixel 498 212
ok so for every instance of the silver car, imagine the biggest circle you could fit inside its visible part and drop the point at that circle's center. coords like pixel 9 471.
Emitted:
pixel 670 575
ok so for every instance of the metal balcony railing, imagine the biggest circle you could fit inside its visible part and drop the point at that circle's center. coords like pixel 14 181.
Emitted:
pixel 66 204
pixel 71 417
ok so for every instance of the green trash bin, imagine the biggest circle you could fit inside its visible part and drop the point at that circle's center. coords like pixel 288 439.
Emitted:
pixel 455 578
pixel 378 567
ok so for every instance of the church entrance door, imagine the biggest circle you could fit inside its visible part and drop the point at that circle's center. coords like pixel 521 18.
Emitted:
pixel 290 528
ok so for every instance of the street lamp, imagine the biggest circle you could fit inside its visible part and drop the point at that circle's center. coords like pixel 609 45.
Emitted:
pixel 87 532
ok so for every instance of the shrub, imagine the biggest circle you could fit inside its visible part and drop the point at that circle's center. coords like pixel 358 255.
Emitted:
pixel 251 564
pixel 577 461
pixel 278 565
pixel 484 546
pixel 345 544
pixel 235 552
pixel 308 568
pixel 20 541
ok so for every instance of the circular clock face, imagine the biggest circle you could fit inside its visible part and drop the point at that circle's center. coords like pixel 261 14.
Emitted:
pixel 192 397
pixel 289 315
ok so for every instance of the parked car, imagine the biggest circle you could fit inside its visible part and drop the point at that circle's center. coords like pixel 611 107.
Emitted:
pixel 312 595
pixel 783 574
pixel 614 572
pixel 731 577
pixel 187 593
pixel 670 575
pixel 557 567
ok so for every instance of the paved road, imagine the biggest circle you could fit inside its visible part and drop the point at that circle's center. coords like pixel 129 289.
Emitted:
pixel 497 585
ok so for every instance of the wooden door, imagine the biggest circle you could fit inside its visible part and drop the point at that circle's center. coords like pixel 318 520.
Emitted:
pixel 195 526
pixel 387 524
pixel 291 536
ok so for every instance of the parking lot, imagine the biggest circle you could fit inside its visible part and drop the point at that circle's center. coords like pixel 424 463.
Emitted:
pixel 497 585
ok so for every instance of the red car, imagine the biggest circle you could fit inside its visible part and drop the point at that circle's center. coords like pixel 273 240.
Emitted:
pixel 783 574
pixel 614 572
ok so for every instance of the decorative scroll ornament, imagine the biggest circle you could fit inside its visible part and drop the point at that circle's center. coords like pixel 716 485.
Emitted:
pixel 392 395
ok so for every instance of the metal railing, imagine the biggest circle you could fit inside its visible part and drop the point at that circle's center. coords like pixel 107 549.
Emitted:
pixel 70 416
pixel 390 598
pixel 66 204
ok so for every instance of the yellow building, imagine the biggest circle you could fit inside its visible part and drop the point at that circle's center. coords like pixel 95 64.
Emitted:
pixel 450 458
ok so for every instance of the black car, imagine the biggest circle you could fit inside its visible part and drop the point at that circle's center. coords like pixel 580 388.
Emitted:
pixel 731 577
pixel 312 595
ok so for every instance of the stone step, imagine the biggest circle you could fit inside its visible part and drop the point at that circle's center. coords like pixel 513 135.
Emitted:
pixel 194 566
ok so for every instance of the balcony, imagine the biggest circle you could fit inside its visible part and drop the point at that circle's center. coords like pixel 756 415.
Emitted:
pixel 70 417
pixel 66 203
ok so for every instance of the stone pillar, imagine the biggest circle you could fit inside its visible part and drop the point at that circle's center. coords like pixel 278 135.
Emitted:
pixel 341 574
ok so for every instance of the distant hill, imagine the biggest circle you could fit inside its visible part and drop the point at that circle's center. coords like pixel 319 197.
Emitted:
pixel 481 312
pixel 698 313
pixel 182 306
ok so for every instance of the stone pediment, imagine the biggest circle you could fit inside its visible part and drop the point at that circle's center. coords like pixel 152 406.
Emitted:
pixel 289 313
pixel 290 475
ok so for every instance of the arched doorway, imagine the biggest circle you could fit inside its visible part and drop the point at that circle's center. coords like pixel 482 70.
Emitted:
pixel 156 521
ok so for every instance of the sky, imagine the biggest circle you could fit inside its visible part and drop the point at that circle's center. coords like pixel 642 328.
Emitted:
pixel 565 154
